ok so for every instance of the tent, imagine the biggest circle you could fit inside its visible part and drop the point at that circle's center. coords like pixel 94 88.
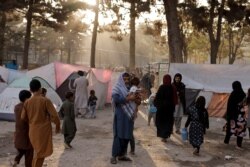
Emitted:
pixel 58 74
pixel 214 81
pixel 9 97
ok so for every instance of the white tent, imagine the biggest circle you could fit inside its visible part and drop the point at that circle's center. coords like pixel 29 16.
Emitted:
pixel 10 96
pixel 213 81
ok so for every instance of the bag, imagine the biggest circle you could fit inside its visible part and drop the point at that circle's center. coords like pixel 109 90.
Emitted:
pixel 152 108
pixel 184 134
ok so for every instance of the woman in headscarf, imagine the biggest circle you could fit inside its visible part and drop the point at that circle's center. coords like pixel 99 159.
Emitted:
pixel 165 101
pixel 123 123
pixel 198 120
pixel 233 110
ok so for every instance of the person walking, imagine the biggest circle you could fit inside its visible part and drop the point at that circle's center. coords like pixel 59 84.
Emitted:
pixel 233 111
pixel 81 94
pixel 198 123
pixel 68 115
pixel 21 138
pixel 181 106
pixel 165 101
pixel 123 123
pixel 39 112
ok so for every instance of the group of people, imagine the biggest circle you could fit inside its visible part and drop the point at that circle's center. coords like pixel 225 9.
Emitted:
pixel 34 114
pixel 167 107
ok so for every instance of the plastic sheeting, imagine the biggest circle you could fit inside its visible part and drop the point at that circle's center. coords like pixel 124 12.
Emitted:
pixel 212 77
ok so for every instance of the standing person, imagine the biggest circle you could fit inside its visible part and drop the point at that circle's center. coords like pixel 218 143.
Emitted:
pixel 165 101
pixel 68 115
pixel 39 112
pixel 181 106
pixel 21 140
pixel 197 120
pixel 234 100
pixel 44 92
pixel 123 123
pixel 92 103
pixel 147 84
pixel 151 109
pixel 81 94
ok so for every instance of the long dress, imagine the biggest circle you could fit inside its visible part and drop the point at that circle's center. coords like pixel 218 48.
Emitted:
pixel 39 112
pixel 164 102
pixel 81 94
pixel 196 129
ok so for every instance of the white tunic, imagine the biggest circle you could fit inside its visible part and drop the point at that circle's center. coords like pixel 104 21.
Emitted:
pixel 81 93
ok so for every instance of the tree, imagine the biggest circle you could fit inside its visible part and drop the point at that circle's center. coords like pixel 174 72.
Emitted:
pixel 174 34
pixel 39 10
pixel 94 36
pixel 136 8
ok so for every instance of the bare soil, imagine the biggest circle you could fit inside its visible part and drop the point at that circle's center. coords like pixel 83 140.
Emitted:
pixel 93 142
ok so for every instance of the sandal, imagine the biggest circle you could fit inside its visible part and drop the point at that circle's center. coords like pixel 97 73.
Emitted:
pixel 113 160
pixel 124 158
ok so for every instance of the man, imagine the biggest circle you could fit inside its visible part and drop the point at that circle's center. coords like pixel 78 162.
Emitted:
pixel 123 123
pixel 181 106
pixel 81 94
pixel 39 112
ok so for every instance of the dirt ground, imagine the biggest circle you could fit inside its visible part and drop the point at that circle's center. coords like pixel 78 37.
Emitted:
pixel 93 142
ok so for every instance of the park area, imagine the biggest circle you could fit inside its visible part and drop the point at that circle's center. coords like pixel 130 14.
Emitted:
pixel 93 142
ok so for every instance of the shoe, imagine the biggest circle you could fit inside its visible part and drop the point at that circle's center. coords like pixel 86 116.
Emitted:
pixel 66 146
pixel 113 160
pixel 124 158
pixel 164 140
pixel 196 152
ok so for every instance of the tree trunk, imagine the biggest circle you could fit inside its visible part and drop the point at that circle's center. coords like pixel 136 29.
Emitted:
pixel 174 34
pixel 215 38
pixel 2 39
pixel 132 37
pixel 27 36
pixel 94 36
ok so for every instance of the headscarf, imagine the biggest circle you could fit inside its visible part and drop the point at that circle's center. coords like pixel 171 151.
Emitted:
pixel 167 80
pixel 121 89
pixel 177 75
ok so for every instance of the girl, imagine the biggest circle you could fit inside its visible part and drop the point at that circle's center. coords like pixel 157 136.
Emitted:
pixel 197 120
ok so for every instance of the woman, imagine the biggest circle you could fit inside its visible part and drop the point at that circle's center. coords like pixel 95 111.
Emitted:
pixel 165 101
pixel 198 120
pixel 235 99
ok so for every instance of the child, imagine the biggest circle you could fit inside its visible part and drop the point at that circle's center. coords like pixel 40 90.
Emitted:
pixel 151 109
pixel 68 115
pixel 135 90
pixel 92 103
pixel 44 92
pixel 22 142
pixel 197 121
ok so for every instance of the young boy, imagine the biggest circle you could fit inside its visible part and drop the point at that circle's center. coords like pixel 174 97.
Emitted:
pixel 68 115
pixel 39 112
pixel 92 103
pixel 21 139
